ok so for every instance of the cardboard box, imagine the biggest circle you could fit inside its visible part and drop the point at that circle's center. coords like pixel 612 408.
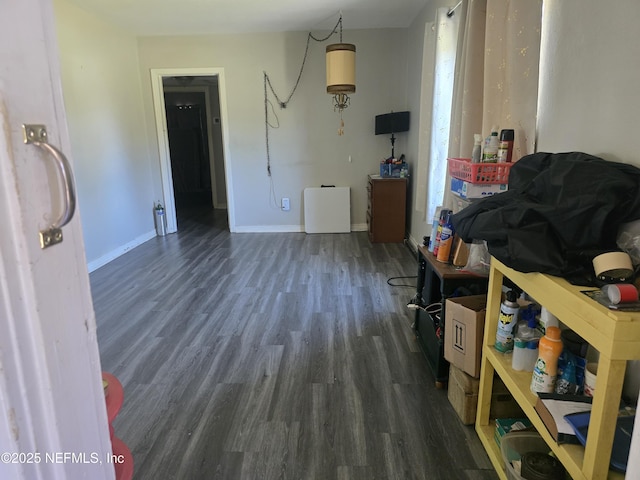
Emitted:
pixel 462 392
pixel 463 331
pixel 476 190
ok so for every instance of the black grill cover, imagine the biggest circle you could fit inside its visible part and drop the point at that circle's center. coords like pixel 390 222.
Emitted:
pixel 561 210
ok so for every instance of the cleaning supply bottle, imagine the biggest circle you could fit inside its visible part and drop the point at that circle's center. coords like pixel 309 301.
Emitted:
pixel 490 154
pixel 505 146
pixel 507 320
pixel 476 153
pixel 525 343
pixel 545 370
pixel 546 319
pixel 434 229
pixel 443 216
pixel 446 240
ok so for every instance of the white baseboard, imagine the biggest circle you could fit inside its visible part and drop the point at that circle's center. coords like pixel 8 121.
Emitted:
pixel 112 255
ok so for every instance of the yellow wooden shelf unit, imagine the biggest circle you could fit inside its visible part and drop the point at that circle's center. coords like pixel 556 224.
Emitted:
pixel 615 335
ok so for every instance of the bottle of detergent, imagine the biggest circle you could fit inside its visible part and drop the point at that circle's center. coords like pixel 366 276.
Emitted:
pixel 490 153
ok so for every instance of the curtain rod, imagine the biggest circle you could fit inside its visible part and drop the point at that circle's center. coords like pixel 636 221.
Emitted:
pixel 452 10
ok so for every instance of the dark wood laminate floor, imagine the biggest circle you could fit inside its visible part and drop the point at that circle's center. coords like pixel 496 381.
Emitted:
pixel 274 356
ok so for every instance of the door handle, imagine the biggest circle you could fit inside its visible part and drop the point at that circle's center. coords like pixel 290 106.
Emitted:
pixel 37 135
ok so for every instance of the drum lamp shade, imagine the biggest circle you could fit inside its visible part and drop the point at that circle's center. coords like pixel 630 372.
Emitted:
pixel 341 68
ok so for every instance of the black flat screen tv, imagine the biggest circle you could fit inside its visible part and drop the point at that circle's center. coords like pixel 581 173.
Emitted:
pixel 393 122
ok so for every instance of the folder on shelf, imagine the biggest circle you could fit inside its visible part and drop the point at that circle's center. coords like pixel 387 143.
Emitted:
pixel 552 409
pixel 621 441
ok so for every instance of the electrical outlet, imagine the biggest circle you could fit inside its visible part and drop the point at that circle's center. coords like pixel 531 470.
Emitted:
pixel 285 204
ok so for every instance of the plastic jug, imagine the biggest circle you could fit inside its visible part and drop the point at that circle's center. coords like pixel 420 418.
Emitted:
pixel 525 346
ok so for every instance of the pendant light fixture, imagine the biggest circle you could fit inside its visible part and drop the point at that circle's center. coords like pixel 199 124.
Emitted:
pixel 341 74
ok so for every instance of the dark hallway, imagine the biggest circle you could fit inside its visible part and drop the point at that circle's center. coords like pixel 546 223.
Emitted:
pixel 189 149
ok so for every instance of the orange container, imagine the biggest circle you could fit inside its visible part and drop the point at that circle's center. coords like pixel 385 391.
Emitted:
pixel 463 169
pixel 545 371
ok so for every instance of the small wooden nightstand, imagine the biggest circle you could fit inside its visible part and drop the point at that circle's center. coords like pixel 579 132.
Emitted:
pixel 386 209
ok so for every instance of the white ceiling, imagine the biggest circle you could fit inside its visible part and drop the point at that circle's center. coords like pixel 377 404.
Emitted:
pixel 190 17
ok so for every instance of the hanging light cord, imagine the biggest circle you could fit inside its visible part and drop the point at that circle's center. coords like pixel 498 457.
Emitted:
pixel 283 104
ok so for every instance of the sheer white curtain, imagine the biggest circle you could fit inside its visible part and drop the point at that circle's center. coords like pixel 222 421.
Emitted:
pixel 497 73
pixel 468 102
pixel 443 82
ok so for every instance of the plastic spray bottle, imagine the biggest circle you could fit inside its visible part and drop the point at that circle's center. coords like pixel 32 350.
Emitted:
pixel 476 153
pixel 545 371
pixel 507 320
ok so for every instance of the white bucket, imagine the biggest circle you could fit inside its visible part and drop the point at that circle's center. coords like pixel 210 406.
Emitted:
pixel 590 373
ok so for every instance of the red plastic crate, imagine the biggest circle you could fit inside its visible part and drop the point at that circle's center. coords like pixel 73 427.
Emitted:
pixel 463 169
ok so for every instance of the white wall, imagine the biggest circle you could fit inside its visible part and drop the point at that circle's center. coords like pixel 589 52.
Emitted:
pixel 102 95
pixel 589 100
pixel 590 73
pixel 305 150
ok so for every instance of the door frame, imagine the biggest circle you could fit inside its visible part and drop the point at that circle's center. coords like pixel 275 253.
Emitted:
pixel 157 74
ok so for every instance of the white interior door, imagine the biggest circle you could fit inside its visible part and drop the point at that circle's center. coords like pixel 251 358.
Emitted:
pixel 53 422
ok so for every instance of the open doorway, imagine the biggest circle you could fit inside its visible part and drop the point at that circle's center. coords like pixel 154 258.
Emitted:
pixel 195 147
pixel 190 106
